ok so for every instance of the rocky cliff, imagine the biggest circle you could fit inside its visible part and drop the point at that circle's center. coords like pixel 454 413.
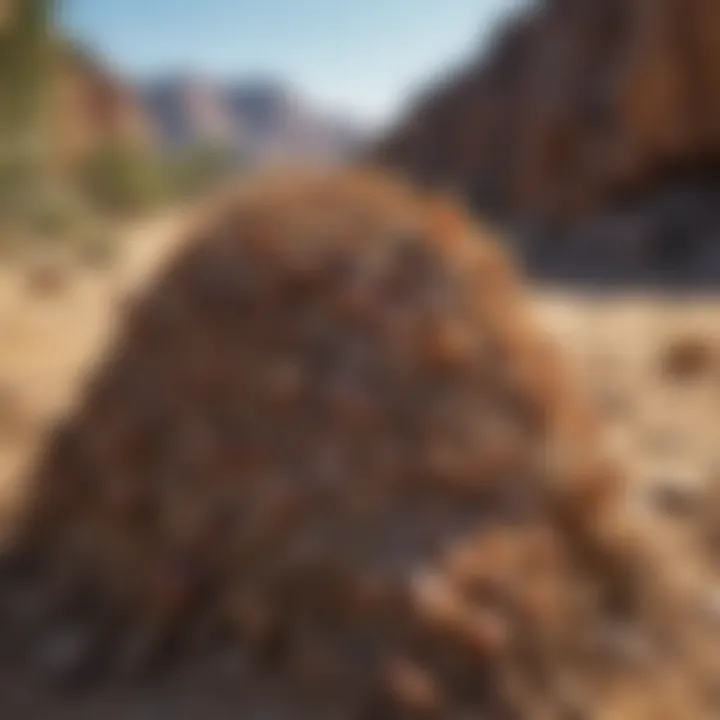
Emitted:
pixel 93 107
pixel 581 109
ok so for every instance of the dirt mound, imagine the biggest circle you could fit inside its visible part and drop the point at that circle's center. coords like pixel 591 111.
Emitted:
pixel 331 436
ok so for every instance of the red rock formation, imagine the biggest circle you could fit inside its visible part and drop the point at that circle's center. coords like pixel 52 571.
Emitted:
pixel 93 108
pixel 578 103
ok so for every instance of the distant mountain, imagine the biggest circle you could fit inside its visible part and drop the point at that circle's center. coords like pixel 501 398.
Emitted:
pixel 187 110
pixel 263 121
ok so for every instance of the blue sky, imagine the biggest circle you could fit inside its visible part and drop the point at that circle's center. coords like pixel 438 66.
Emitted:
pixel 356 56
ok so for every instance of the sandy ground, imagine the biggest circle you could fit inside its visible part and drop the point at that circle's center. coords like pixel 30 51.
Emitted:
pixel 49 340
pixel 660 429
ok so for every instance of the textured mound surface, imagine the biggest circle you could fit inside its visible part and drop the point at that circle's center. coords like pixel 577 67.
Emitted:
pixel 331 436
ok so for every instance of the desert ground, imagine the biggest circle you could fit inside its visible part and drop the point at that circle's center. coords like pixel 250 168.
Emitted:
pixel 55 319
pixel 659 414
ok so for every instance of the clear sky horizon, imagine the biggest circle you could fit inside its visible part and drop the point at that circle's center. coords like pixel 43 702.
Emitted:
pixel 359 58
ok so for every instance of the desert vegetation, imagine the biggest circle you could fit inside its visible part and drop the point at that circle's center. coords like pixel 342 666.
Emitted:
pixel 77 157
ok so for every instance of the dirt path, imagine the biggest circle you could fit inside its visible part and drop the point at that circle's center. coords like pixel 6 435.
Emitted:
pixel 47 341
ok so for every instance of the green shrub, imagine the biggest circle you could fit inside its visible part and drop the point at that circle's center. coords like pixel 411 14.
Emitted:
pixel 121 180
pixel 16 183
pixel 38 208
pixel 99 250
pixel 196 170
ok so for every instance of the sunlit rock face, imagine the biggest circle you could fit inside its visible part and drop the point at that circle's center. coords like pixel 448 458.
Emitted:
pixel 585 110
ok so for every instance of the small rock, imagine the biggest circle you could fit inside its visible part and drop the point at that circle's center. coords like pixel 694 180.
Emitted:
pixel 675 499
pixel 413 688
pixel 688 358
pixel 710 604
pixel 664 441
pixel 15 420
pixel 66 655
pixel 47 279
pixel 613 404
pixel 625 645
